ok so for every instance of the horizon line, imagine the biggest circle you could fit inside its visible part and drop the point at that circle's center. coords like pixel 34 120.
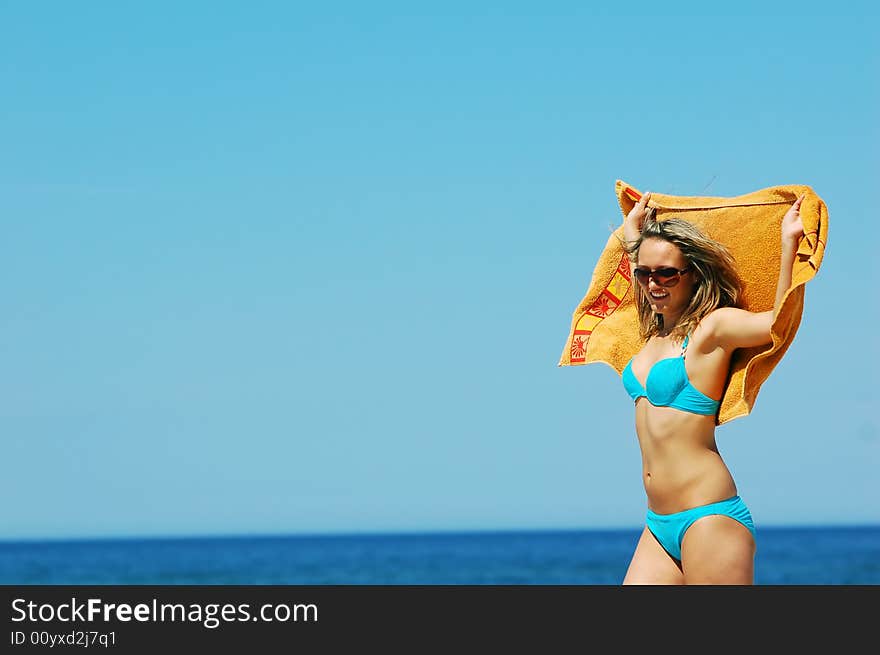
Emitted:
pixel 438 532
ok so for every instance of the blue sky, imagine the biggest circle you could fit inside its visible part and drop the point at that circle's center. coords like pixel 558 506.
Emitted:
pixel 276 269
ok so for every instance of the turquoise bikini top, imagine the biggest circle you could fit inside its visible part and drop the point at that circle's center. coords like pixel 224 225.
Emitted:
pixel 668 385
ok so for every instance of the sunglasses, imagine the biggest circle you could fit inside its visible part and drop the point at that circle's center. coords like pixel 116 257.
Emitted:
pixel 665 277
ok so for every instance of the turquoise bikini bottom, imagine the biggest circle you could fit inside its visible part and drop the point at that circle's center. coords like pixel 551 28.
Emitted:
pixel 669 529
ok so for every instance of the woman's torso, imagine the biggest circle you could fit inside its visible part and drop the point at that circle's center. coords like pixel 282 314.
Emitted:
pixel 681 465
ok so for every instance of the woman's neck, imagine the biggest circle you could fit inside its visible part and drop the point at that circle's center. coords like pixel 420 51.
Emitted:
pixel 668 325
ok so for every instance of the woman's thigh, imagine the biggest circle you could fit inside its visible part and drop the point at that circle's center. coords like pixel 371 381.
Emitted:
pixel 717 549
pixel 651 564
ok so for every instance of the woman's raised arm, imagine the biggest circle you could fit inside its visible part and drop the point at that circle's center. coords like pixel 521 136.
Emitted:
pixel 792 230
pixel 734 328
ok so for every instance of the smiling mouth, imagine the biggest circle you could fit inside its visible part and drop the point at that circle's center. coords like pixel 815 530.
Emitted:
pixel 661 297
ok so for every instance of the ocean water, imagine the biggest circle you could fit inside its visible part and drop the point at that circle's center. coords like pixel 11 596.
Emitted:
pixel 786 556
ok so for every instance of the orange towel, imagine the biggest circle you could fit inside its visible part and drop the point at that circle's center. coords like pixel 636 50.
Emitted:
pixel 604 327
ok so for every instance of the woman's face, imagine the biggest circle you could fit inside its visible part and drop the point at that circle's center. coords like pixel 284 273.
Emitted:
pixel 655 255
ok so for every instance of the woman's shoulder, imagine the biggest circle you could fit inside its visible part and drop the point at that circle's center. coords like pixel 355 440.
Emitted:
pixel 703 337
pixel 720 313
pixel 730 328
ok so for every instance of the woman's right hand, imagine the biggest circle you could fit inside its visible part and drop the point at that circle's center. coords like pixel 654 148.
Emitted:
pixel 636 217
pixel 632 224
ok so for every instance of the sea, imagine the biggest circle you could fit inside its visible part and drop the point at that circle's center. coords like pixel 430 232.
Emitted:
pixel 838 555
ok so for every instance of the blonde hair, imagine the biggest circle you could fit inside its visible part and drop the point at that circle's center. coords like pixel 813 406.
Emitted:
pixel 716 280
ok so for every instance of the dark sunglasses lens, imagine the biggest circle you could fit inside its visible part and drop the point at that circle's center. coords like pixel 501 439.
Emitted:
pixel 666 277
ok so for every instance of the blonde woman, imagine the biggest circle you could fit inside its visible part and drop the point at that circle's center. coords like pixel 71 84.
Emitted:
pixel 698 529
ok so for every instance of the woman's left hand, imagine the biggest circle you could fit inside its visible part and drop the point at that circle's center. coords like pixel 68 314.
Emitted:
pixel 792 226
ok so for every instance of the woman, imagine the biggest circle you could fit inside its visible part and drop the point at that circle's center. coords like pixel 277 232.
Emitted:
pixel 698 529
